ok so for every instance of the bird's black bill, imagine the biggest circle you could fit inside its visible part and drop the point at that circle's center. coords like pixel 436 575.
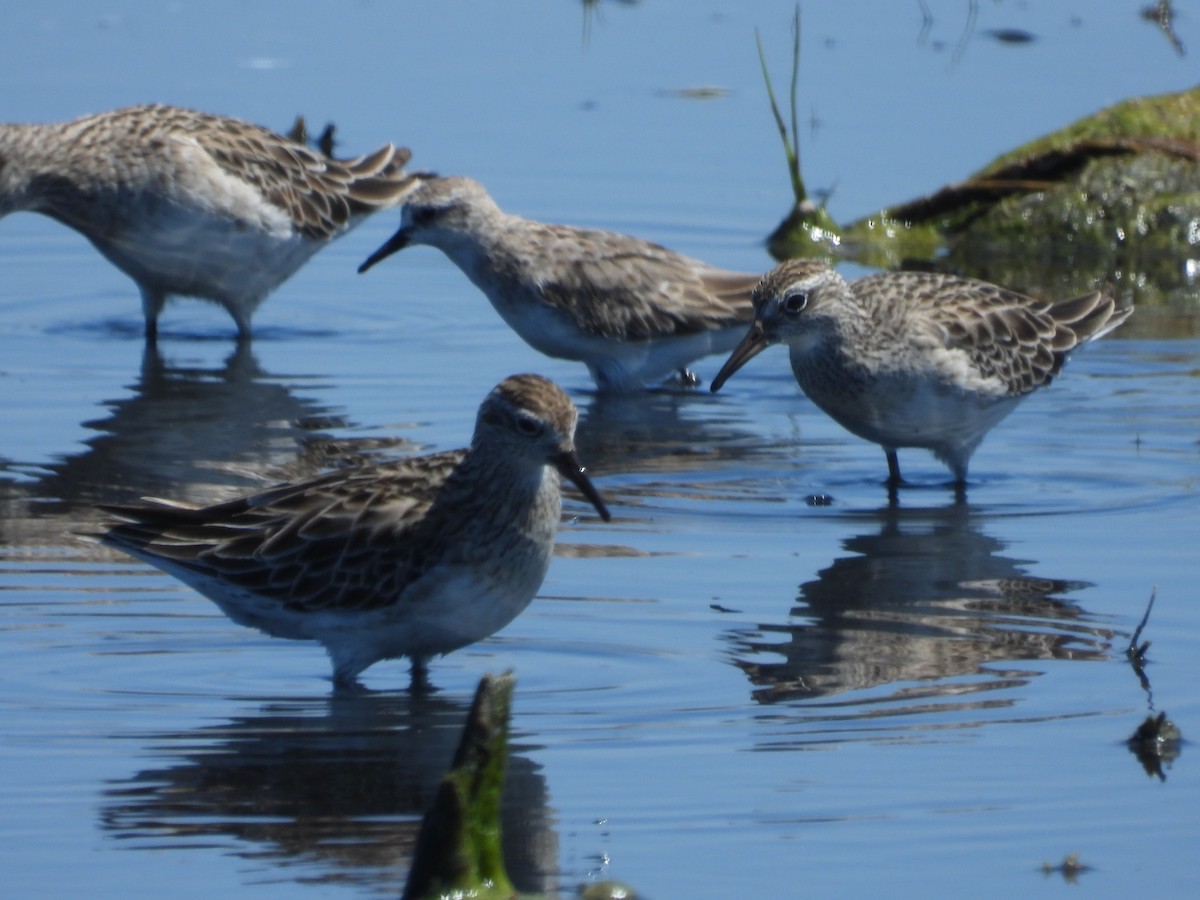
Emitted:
pixel 754 343
pixel 396 242
pixel 568 465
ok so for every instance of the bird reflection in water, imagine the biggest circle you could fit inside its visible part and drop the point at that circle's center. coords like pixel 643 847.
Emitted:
pixel 197 431
pixel 338 783
pixel 927 603
pixel 659 435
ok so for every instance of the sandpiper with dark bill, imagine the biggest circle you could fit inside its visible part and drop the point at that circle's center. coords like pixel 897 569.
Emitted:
pixel 632 311
pixel 414 558
pixel 191 204
pixel 911 359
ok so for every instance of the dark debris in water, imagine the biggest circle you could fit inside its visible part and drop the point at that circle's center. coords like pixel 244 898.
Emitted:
pixel 1162 14
pixel 1070 868
pixel 697 92
pixel 1011 35
pixel 819 499
pixel 1136 652
pixel 1155 742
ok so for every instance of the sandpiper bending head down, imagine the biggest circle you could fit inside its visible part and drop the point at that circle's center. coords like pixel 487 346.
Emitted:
pixel 632 311
pixel 192 204
pixel 412 558
pixel 908 359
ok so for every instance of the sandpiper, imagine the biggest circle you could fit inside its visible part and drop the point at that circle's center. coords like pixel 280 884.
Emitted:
pixel 191 204
pixel 411 558
pixel 632 311
pixel 910 359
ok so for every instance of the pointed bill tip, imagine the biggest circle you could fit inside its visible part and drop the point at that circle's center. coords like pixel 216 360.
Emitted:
pixel 568 465
pixel 394 244
pixel 751 345
pixel 719 381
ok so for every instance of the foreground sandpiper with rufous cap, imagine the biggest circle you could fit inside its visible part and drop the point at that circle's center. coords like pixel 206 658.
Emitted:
pixel 191 204
pixel 911 359
pixel 632 311
pixel 411 558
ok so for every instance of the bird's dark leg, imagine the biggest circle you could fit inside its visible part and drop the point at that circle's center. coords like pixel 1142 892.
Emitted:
pixel 960 491
pixel 894 478
pixel 244 331
pixel 959 469
pixel 152 306
pixel 419 673
pixel 344 683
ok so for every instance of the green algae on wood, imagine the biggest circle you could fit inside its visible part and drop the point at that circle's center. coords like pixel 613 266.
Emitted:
pixel 1134 220
pixel 1114 197
pixel 1166 126
pixel 458 852
pixel 458 849
pixel 1165 119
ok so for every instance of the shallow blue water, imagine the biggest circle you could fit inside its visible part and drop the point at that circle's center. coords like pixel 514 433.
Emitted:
pixel 725 692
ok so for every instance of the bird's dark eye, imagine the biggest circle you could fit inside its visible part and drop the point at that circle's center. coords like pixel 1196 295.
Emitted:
pixel 527 424
pixel 795 302
pixel 421 215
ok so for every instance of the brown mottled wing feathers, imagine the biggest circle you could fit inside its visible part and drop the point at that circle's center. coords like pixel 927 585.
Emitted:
pixel 637 290
pixel 343 541
pixel 1022 341
pixel 319 193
